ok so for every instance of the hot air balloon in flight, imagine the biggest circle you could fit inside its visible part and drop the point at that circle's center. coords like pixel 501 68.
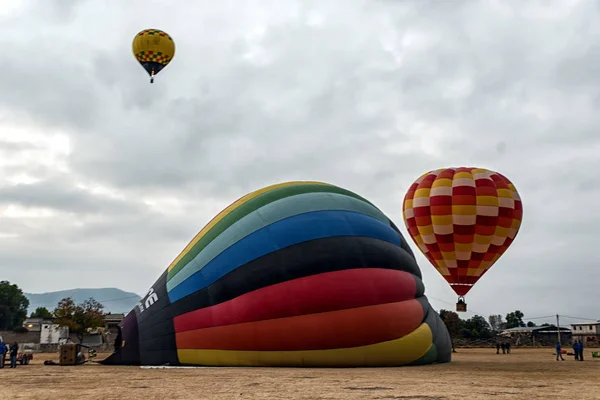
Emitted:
pixel 294 274
pixel 154 50
pixel 463 220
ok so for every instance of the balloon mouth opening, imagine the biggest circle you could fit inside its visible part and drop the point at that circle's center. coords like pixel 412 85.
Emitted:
pixel 126 344
pixel 461 289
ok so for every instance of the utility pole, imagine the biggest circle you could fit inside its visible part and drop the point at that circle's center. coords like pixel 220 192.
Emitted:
pixel 558 328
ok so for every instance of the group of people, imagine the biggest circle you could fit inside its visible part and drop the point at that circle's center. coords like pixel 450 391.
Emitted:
pixel 504 346
pixel 13 349
pixel 577 349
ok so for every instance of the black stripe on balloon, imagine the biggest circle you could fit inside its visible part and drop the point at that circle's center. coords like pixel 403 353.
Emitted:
pixel 403 243
pixel 297 261
pixel 441 337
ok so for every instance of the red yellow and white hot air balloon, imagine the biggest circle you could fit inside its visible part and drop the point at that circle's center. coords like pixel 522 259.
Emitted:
pixel 462 219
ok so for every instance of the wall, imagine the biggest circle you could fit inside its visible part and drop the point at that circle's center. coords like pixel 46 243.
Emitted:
pixel 550 338
pixel 29 337
pixel 586 329
pixel 51 333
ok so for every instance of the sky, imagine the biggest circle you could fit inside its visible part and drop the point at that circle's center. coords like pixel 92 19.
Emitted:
pixel 105 178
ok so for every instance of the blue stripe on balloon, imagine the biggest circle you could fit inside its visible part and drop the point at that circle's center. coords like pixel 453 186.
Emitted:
pixel 284 233
pixel 269 214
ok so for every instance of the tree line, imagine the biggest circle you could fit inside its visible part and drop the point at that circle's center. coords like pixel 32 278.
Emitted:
pixel 477 327
pixel 77 317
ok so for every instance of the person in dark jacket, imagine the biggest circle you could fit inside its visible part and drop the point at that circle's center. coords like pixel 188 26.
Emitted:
pixel 2 352
pixel 14 350
pixel 576 349
pixel 580 348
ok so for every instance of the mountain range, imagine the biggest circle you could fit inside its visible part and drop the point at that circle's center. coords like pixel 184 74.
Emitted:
pixel 114 300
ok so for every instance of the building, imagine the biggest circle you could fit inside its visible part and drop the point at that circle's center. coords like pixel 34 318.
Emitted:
pixel 538 335
pixel 112 321
pixel 35 324
pixel 111 326
pixel 53 333
pixel 587 332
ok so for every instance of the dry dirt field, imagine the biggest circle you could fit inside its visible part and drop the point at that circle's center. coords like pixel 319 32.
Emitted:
pixel 473 374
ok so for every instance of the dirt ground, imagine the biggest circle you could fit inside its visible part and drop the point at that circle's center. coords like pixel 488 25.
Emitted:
pixel 473 374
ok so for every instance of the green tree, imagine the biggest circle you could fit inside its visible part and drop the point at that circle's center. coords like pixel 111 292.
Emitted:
pixel 496 323
pixel 477 327
pixel 79 317
pixel 531 324
pixel 13 306
pixel 41 312
pixel 514 319
pixel 453 322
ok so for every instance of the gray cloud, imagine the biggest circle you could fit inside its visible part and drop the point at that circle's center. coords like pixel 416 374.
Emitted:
pixel 366 95
pixel 62 196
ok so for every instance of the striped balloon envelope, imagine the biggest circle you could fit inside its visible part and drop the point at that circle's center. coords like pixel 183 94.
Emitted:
pixel 294 274
pixel 463 220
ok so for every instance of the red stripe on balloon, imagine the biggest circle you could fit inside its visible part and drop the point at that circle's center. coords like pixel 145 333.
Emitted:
pixel 311 294
pixel 330 330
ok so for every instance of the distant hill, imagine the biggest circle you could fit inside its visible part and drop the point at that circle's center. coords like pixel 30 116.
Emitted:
pixel 114 300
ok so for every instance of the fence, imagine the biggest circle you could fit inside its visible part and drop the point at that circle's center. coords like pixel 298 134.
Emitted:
pixel 542 342
pixel 54 347
pixel 28 337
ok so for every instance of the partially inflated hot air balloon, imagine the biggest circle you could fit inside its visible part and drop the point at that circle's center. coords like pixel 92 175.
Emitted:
pixel 154 49
pixel 463 220
pixel 294 274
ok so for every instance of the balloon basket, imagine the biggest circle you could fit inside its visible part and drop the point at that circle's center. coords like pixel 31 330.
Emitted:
pixel 461 306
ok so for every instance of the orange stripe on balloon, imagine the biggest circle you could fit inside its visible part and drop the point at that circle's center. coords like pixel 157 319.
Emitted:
pixel 329 330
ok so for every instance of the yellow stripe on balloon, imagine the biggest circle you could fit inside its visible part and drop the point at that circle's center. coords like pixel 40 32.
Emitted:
pixel 487 201
pixel 463 209
pixel 425 230
pixel 395 352
pixel 505 193
pixel 445 182
pixel 441 219
pixel 463 175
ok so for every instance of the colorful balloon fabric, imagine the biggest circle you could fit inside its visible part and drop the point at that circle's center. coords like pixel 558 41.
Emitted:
pixel 154 50
pixel 463 220
pixel 295 274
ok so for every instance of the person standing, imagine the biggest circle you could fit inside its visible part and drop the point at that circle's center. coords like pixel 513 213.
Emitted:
pixel 2 352
pixel 559 351
pixel 14 349
pixel 576 349
pixel 580 348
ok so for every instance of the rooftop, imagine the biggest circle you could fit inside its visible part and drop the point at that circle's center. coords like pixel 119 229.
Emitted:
pixel 114 317
pixel 536 328
pixel 585 323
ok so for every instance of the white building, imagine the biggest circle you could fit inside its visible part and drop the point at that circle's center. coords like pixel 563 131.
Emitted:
pixel 586 332
pixel 35 324
pixel 52 333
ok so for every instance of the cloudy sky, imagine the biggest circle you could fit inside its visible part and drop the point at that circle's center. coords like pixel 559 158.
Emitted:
pixel 105 178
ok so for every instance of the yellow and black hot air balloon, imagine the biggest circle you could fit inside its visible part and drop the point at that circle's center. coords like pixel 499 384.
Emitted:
pixel 154 49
